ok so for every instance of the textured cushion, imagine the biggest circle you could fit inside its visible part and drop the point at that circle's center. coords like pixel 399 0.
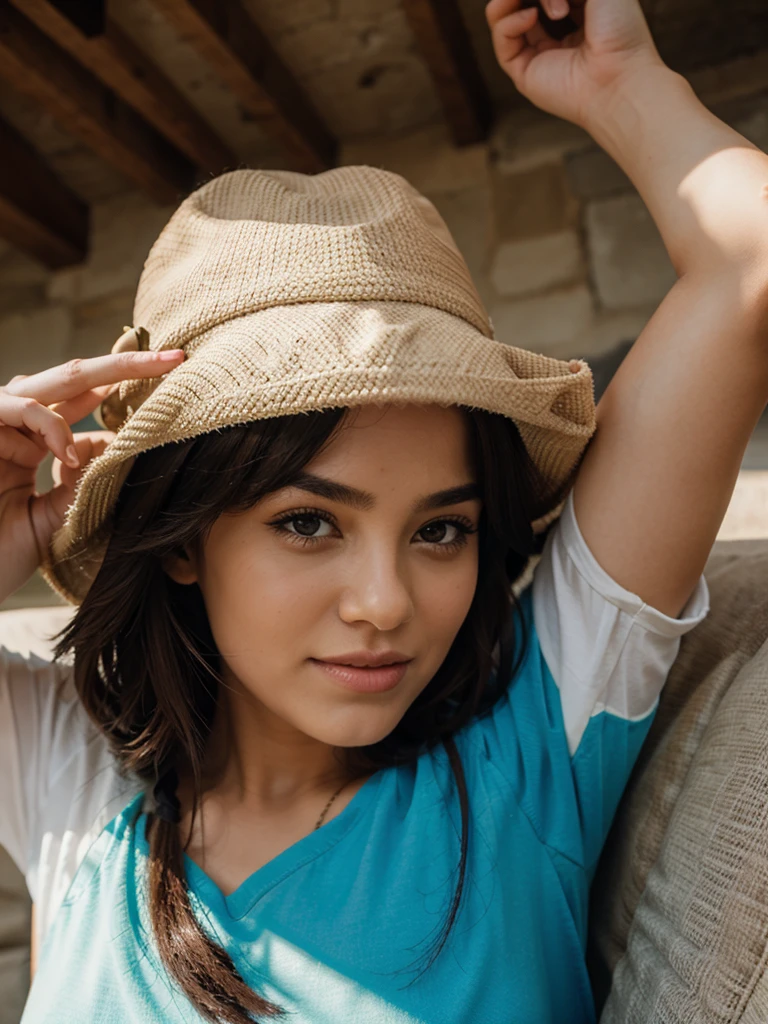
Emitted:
pixel 680 899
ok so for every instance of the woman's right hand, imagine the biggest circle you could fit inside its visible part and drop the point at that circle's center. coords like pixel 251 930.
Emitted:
pixel 35 416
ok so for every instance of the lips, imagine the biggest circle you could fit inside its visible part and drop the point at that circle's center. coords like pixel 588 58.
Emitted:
pixel 363 679
pixel 366 659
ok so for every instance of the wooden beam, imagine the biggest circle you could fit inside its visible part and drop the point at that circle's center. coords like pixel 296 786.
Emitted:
pixel 34 65
pixel 38 214
pixel 444 43
pixel 117 62
pixel 226 36
pixel 89 15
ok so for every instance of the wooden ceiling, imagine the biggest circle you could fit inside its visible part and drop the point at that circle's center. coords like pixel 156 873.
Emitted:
pixel 74 61
pixel 99 96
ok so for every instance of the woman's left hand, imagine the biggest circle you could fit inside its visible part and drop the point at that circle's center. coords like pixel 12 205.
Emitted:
pixel 575 78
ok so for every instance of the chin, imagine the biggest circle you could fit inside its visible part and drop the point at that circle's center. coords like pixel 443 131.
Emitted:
pixel 356 729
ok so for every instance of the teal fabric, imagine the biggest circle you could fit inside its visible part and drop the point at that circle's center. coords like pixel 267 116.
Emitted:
pixel 333 927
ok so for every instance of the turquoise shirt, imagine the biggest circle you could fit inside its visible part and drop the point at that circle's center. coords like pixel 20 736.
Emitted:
pixel 332 927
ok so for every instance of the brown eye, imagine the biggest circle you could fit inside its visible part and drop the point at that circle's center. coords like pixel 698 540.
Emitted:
pixel 456 531
pixel 306 526
pixel 302 527
pixel 436 532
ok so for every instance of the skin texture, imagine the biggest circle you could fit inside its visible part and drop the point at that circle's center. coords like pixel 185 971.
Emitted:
pixel 376 579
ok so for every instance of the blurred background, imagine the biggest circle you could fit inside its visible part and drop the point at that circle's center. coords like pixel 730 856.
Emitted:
pixel 110 113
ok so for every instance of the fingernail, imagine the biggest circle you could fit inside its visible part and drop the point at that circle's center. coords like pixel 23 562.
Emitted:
pixel 560 8
pixel 170 356
pixel 72 458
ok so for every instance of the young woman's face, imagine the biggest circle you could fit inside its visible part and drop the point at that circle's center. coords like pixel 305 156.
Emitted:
pixel 303 578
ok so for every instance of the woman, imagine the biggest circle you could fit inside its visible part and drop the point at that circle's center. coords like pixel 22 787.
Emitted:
pixel 322 750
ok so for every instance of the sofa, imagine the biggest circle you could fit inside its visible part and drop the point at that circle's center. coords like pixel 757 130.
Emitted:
pixel 679 915
pixel 679 922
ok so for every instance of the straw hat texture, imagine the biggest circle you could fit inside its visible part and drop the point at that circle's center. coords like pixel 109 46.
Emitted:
pixel 293 292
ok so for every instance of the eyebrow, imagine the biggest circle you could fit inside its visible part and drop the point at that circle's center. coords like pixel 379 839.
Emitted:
pixel 364 501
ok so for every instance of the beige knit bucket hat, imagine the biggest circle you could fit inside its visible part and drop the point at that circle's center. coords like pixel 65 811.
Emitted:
pixel 293 292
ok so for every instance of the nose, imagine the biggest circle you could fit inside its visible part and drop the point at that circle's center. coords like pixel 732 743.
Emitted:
pixel 378 592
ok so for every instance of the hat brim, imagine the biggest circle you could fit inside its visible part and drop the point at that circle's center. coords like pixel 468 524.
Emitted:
pixel 314 356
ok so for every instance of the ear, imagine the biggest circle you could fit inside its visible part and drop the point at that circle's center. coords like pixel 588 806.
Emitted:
pixel 181 566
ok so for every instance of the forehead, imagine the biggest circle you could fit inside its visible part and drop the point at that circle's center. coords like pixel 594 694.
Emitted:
pixel 427 438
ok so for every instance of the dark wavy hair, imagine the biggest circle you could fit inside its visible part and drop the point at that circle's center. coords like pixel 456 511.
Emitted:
pixel 147 669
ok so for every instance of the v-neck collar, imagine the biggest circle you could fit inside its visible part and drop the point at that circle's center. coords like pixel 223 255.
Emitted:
pixel 239 902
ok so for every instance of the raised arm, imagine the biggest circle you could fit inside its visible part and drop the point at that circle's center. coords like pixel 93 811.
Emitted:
pixel 657 478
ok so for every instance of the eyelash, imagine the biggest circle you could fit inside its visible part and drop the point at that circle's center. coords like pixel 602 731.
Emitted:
pixel 464 526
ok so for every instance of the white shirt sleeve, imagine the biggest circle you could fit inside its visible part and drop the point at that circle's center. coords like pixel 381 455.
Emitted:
pixel 606 648
pixel 60 782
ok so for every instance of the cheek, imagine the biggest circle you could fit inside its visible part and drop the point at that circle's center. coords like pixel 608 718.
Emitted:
pixel 256 604
pixel 458 600
pixel 444 604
